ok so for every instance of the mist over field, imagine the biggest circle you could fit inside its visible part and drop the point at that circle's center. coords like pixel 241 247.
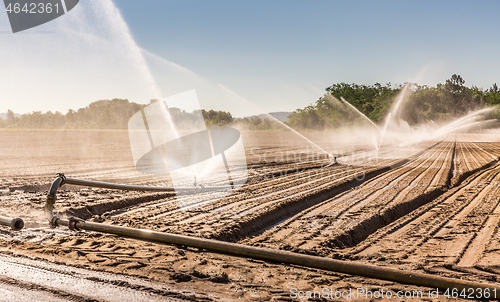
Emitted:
pixel 249 150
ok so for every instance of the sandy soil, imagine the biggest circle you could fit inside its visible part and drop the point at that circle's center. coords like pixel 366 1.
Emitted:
pixel 429 208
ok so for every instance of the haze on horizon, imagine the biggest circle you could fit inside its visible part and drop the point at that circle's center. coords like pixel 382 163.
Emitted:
pixel 279 56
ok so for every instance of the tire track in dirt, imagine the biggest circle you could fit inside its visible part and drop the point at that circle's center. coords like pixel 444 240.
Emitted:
pixel 451 241
pixel 13 290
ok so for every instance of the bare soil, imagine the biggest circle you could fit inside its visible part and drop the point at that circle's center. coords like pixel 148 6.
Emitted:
pixel 430 208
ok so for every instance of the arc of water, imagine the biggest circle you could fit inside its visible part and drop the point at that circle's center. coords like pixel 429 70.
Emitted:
pixel 296 132
pixel 451 127
pixel 464 119
pixel 400 97
pixel 360 113
pixel 461 126
pixel 384 130
pixel 277 120
pixel 366 118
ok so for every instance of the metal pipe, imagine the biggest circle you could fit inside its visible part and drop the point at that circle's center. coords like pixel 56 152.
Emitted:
pixel 266 254
pixel 16 224
pixel 97 184
pixel 240 250
pixel 61 180
pixel 52 197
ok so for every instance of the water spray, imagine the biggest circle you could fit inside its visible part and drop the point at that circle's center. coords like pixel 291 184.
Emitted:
pixel 277 120
pixel 360 113
pixel 465 119
pixel 384 130
pixel 461 126
pixel 308 140
pixel 401 96
pixel 366 118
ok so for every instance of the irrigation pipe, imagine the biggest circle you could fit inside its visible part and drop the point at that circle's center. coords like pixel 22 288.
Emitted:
pixel 266 254
pixel 96 184
pixel 61 180
pixel 16 224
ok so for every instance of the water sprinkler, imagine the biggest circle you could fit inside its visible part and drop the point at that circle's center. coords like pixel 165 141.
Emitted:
pixel 335 162
pixel 16 224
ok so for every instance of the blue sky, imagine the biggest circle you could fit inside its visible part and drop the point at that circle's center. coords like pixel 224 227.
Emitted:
pixel 321 41
pixel 253 46
pixel 278 55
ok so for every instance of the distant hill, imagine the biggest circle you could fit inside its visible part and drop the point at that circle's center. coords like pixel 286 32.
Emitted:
pixel 282 115
pixel 4 115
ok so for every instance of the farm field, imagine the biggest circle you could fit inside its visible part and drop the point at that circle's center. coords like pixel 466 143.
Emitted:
pixel 429 207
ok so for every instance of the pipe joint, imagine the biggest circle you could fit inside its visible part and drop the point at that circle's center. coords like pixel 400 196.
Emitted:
pixel 63 178
pixel 52 197
pixel 72 223
pixel 54 221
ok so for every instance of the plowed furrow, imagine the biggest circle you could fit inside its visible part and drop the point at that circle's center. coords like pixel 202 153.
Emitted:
pixel 316 227
pixel 456 228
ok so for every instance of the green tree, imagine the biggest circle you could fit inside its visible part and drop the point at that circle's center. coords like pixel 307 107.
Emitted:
pixel 439 103
pixel 11 117
pixel 217 118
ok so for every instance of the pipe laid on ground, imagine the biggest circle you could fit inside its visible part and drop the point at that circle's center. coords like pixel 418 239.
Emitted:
pixel 61 180
pixel 16 224
pixel 266 254
pixel 97 184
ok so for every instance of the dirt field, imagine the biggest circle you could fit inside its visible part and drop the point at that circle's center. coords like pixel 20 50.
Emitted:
pixel 431 207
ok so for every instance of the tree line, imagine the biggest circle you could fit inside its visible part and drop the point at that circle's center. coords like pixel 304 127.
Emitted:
pixel 424 103
pixel 106 114
pixel 115 114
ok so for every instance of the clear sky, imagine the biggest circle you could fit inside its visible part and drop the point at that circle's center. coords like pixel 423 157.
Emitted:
pixel 278 55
